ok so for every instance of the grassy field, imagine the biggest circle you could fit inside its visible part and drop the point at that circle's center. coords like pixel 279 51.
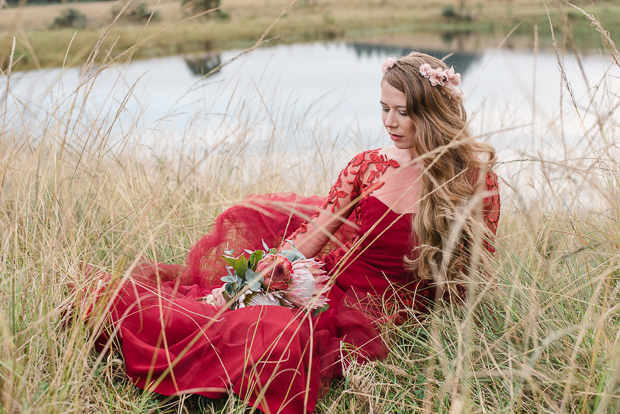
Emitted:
pixel 37 46
pixel 542 337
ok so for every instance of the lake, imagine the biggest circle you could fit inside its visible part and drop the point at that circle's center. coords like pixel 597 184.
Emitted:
pixel 516 99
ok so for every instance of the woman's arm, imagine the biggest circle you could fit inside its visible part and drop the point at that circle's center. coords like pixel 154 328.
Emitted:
pixel 313 234
pixel 355 180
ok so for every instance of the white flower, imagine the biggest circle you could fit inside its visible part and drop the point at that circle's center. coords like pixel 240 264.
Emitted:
pixel 210 299
pixel 259 299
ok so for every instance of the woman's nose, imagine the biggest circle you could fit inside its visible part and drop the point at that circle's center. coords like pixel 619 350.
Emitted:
pixel 390 119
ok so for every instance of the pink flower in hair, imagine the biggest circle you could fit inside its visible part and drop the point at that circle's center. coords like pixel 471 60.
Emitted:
pixel 387 64
pixel 459 94
pixel 456 92
pixel 446 78
pixel 437 77
pixel 453 78
pixel 425 70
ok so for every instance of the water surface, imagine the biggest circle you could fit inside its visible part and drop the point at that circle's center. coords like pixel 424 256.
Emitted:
pixel 516 99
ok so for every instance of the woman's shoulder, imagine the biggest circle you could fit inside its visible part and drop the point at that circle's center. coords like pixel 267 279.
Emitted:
pixel 401 156
pixel 363 172
pixel 391 152
pixel 490 179
pixel 491 202
pixel 380 157
pixel 373 153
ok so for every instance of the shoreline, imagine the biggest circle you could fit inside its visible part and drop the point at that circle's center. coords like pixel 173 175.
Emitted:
pixel 36 48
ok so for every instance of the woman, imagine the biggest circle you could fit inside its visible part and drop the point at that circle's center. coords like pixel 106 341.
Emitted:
pixel 413 215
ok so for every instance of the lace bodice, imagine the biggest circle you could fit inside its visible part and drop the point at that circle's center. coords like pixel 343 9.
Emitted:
pixel 359 179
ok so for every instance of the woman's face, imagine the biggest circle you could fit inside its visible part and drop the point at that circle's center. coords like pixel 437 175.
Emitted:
pixel 395 118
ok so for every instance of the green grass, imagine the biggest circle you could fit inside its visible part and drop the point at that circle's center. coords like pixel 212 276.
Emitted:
pixel 542 335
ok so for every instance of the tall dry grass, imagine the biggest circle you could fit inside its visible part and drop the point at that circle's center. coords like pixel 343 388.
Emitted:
pixel 540 336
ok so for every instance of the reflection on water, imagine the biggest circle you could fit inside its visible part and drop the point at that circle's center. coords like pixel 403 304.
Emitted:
pixel 202 64
pixel 460 60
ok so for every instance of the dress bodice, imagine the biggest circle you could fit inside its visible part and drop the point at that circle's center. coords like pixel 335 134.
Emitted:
pixel 372 263
pixel 385 238
pixel 372 259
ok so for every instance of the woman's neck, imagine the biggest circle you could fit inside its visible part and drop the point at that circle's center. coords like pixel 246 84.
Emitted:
pixel 405 157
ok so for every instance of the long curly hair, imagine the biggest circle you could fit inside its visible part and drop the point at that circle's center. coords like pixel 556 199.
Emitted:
pixel 454 164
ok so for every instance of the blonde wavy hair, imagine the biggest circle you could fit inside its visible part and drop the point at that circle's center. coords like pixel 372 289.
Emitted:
pixel 454 166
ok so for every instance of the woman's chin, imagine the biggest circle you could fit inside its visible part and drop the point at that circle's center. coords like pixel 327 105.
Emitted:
pixel 402 145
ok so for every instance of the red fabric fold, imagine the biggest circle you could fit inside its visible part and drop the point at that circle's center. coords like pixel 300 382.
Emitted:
pixel 274 357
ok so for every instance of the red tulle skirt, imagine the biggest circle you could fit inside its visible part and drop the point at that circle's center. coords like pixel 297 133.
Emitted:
pixel 274 357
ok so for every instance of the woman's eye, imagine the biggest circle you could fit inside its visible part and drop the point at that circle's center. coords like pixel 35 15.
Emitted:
pixel 385 109
pixel 402 113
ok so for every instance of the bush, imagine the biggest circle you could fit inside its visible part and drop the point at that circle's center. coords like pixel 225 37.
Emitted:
pixel 449 12
pixel 69 18
pixel 136 15
pixel 200 6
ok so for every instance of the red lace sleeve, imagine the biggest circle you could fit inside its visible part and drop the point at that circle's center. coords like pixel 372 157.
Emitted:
pixel 491 207
pixel 357 179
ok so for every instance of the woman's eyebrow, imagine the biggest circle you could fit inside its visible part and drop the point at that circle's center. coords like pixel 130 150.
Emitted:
pixel 398 106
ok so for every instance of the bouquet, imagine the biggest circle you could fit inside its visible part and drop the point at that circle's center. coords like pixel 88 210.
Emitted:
pixel 272 277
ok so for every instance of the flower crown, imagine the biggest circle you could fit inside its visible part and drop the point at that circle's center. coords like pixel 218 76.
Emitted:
pixel 447 78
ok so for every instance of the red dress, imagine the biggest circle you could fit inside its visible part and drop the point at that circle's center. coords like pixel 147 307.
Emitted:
pixel 274 357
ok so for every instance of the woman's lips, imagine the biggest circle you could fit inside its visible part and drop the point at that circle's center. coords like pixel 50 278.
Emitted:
pixel 395 137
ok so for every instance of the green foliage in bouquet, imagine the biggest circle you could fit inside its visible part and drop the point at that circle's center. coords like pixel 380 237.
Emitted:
pixel 272 277
pixel 242 271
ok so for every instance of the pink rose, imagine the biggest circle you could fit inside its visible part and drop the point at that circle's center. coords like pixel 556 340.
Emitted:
pixel 277 271
pixel 216 298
